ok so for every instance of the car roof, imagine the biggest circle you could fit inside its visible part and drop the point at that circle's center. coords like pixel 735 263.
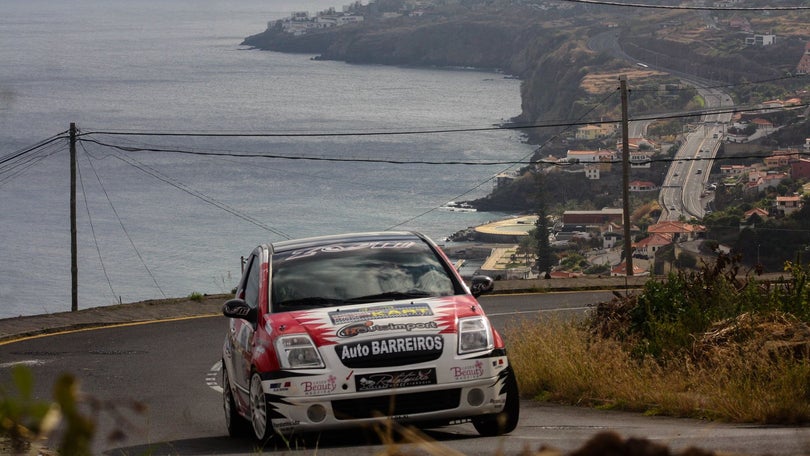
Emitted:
pixel 372 236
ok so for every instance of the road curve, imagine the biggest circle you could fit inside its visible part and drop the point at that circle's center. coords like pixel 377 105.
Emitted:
pixel 172 368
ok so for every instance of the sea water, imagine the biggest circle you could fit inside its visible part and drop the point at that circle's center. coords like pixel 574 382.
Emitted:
pixel 153 223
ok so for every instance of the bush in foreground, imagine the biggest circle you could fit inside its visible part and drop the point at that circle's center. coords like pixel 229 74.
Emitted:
pixel 701 344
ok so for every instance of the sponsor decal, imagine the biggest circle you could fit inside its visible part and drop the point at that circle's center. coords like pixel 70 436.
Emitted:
pixel 468 372
pixel 369 327
pixel 285 424
pixel 341 317
pixel 348 247
pixel 318 387
pixel 383 348
pixel 398 379
pixel 281 386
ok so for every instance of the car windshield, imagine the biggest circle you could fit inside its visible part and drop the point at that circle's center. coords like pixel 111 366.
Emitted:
pixel 359 272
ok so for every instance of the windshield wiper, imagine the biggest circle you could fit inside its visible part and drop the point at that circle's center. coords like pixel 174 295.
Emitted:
pixel 390 296
pixel 308 303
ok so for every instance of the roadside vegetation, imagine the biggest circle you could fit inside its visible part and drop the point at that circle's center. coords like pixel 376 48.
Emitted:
pixel 702 344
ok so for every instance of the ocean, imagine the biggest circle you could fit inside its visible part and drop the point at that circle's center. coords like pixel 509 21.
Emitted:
pixel 154 224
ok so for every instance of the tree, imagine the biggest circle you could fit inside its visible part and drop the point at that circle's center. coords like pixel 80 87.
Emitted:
pixel 545 256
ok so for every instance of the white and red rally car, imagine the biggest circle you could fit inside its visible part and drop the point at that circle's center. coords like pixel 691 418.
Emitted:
pixel 341 331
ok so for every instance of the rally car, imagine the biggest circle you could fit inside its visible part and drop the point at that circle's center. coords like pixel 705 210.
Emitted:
pixel 343 331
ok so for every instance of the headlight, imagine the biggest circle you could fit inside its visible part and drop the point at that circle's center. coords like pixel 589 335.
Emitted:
pixel 474 334
pixel 298 352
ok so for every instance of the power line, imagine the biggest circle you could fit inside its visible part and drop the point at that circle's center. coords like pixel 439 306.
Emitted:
pixel 199 195
pixel 502 171
pixel 578 123
pixel 14 169
pixel 92 225
pixel 402 161
pixel 123 228
pixel 688 7
pixel 19 153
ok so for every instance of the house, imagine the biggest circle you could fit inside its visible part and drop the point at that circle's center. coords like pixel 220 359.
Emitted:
pixel 733 170
pixel 647 247
pixel 504 179
pixel 590 132
pixel 772 179
pixel 564 274
pixel 800 169
pixel 620 270
pixel 593 218
pixel 762 124
pixel 300 23
pixel 635 144
pixel 781 158
pixel 760 40
pixel 759 181
pixel 786 205
pixel 589 156
pixel 641 158
pixel 642 186
pixel 592 171
pixel 748 219
pixel 679 231
pixel 611 239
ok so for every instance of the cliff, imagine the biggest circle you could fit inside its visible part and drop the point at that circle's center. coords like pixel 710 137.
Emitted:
pixel 554 48
pixel 507 39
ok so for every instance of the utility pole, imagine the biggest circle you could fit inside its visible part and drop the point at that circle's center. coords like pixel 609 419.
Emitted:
pixel 74 262
pixel 628 251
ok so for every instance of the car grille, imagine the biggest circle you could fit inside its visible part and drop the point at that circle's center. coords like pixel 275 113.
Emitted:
pixel 396 404
pixel 399 359
pixel 391 351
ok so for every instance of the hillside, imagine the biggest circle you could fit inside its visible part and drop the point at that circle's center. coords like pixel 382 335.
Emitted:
pixel 558 49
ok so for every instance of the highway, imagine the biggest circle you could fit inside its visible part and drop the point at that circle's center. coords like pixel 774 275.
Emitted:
pixel 687 179
pixel 172 368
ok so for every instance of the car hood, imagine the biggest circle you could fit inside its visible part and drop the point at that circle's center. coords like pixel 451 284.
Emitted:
pixel 335 325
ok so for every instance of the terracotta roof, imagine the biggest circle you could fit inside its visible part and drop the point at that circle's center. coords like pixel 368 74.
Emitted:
pixel 621 268
pixel 757 210
pixel 675 227
pixel 655 239
pixel 788 198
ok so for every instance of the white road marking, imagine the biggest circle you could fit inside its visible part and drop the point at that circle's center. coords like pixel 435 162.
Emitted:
pixel 516 312
pixel 212 376
pixel 28 362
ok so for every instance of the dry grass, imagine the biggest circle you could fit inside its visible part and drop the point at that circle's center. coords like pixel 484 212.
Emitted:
pixel 562 362
pixel 597 83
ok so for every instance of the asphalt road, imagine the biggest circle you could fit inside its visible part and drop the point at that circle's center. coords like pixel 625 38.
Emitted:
pixel 173 369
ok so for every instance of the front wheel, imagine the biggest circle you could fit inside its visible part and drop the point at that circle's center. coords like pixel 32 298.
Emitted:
pixel 259 416
pixel 507 420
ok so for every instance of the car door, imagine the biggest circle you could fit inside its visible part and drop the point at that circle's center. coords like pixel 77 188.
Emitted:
pixel 241 330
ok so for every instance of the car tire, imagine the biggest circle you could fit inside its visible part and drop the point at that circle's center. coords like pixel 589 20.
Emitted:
pixel 259 410
pixel 236 424
pixel 507 420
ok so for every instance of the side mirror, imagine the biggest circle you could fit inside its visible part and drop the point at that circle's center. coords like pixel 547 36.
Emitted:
pixel 482 284
pixel 238 308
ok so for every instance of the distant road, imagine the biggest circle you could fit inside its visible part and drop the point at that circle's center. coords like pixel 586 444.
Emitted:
pixel 685 182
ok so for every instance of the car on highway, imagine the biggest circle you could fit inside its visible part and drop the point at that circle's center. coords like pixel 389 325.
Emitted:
pixel 349 330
